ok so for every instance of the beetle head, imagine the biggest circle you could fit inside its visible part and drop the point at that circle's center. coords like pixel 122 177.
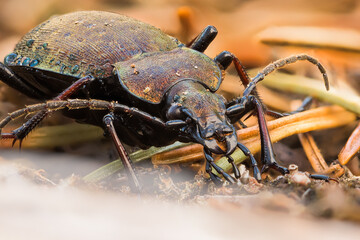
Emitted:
pixel 204 111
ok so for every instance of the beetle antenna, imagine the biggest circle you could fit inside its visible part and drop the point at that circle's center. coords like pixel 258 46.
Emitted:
pixel 282 63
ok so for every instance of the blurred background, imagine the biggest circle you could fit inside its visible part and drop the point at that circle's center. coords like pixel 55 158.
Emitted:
pixel 239 21
pixel 257 32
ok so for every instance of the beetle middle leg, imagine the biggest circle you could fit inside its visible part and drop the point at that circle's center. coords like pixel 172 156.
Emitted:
pixel 108 121
pixel 304 106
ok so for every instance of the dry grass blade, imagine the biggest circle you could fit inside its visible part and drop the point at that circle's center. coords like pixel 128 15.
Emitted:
pixel 316 159
pixel 312 152
pixel 53 136
pixel 312 87
pixel 313 37
pixel 351 147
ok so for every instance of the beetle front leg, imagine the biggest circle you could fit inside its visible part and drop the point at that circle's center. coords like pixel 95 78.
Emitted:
pixel 225 58
pixel 126 161
pixel 210 163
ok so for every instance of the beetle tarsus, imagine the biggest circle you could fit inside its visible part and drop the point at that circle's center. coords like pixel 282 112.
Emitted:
pixel 305 105
pixel 234 167
pixel 275 166
pixel 218 169
pixel 323 177
pixel 247 153
pixel 215 179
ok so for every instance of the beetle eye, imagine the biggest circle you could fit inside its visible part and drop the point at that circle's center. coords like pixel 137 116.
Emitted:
pixel 175 112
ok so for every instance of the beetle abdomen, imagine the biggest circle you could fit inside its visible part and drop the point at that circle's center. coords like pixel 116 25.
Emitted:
pixel 82 43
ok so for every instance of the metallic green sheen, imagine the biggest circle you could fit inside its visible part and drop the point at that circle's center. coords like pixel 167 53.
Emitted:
pixel 91 40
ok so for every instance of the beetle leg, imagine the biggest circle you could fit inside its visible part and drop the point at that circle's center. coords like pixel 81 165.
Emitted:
pixel 267 151
pixel 203 40
pixel 218 169
pixel 8 76
pixel 247 153
pixel 234 167
pixel 213 177
pixel 225 58
pixel 92 104
pixel 323 177
pixel 21 132
pixel 135 184
pixel 304 106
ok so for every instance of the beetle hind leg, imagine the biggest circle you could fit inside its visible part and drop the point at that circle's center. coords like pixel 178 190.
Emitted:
pixel 21 132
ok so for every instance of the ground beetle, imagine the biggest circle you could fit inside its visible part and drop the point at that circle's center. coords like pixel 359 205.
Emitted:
pixel 150 89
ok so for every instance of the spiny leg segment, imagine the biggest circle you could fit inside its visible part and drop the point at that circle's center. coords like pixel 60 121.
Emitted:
pixel 91 104
pixel 21 132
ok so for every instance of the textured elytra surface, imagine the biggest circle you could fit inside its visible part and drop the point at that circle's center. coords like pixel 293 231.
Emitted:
pixel 150 75
pixel 89 42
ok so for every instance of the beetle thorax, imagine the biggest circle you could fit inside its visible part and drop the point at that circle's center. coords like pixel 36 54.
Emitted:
pixel 190 99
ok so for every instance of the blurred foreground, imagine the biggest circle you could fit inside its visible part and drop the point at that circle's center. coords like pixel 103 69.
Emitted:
pixel 42 211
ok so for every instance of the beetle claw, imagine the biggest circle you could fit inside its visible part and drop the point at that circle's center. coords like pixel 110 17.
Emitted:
pixel 257 174
pixel 216 180
pixel 281 169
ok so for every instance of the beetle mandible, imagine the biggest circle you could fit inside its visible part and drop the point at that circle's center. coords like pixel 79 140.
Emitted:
pixel 150 88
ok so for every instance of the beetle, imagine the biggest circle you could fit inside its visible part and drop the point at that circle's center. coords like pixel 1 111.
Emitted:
pixel 144 87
